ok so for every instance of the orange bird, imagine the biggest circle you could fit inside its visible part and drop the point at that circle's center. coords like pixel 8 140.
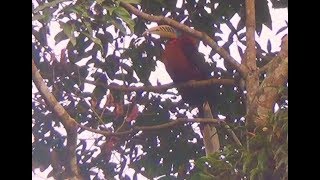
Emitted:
pixel 184 63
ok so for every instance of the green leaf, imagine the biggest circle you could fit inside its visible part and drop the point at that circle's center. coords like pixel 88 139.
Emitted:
pixel 281 29
pixel 125 16
pixel 110 9
pixel 60 37
pixel 81 10
pixel 50 4
pixel 48 14
pixel 200 163
pixel 171 177
pixel 38 17
pixel 269 46
pixel 99 1
pixel 97 41
pixel 258 28
pixel 98 92
pixel 279 4
pixel 118 24
pixel 94 39
pixel 88 26
pixel 254 173
pixel 263 14
pixel 131 1
pixel 69 31
pixel 248 160
pixel 201 176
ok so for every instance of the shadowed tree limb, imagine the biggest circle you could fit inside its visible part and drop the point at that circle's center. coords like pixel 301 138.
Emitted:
pixel 270 88
pixel 176 122
pixel 159 88
pixel 172 123
pixel 72 169
pixel 252 78
pixel 164 87
pixel 250 57
pixel 264 68
pixel 201 35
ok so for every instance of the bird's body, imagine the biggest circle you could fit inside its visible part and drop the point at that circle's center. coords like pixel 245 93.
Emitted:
pixel 177 62
pixel 184 63
pixel 181 68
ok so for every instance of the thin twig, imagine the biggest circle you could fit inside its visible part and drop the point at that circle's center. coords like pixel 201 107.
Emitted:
pixel 95 113
pixel 233 135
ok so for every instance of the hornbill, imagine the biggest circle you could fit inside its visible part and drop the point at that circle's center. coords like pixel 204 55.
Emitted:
pixel 183 63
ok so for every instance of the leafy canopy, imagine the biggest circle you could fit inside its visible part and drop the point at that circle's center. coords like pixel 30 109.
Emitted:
pixel 95 59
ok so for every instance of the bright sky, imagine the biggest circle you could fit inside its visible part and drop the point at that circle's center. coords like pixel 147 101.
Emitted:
pixel 278 21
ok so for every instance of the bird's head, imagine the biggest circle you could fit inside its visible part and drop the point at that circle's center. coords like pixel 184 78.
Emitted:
pixel 168 32
pixel 163 31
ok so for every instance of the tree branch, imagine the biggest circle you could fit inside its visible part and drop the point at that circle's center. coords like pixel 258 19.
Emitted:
pixel 270 88
pixel 72 169
pixel 283 53
pixel 264 68
pixel 155 127
pixel 250 59
pixel 70 124
pixel 164 87
pixel 252 80
pixel 201 35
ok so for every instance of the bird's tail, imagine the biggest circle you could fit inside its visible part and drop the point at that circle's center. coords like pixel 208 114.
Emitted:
pixel 209 132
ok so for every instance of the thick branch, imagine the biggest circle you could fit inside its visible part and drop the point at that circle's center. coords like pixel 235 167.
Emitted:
pixel 264 68
pixel 162 88
pixel 252 80
pixel 203 36
pixel 250 59
pixel 69 124
pixel 155 127
pixel 270 88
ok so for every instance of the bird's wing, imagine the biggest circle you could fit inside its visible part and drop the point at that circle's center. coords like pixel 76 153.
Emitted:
pixel 198 60
pixel 195 57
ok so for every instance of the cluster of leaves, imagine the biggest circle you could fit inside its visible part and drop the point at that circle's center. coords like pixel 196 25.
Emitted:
pixel 94 53
pixel 267 159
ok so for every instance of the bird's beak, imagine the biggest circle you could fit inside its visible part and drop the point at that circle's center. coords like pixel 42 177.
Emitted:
pixel 164 31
